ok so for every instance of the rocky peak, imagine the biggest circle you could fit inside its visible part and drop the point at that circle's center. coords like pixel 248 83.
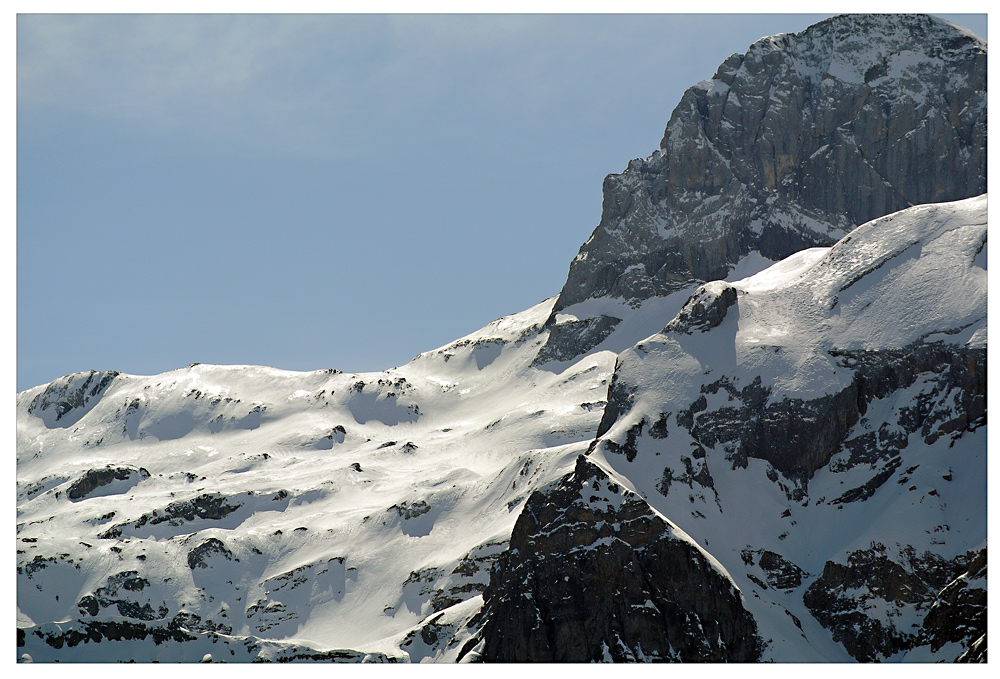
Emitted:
pixel 792 145
pixel 593 573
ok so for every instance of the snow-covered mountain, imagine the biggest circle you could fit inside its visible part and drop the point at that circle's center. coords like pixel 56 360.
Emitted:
pixel 283 514
pixel 786 147
pixel 788 464
pixel 819 429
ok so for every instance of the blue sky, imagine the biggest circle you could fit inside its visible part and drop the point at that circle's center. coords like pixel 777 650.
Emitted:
pixel 323 191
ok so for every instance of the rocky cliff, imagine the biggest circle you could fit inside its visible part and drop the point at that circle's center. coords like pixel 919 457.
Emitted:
pixel 593 573
pixel 788 146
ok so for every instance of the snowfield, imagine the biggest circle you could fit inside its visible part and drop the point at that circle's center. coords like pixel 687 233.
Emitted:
pixel 370 489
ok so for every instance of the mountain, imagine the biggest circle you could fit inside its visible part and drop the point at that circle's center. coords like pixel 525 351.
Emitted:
pixel 786 147
pixel 751 427
pixel 818 428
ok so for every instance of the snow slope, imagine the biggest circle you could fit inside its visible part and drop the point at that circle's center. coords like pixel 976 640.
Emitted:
pixel 374 490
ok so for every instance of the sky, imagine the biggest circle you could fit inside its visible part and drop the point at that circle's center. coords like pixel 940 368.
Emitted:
pixel 308 192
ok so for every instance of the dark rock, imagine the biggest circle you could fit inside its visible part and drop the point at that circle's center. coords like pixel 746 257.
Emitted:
pixel 976 652
pixel 706 309
pixel 839 598
pixel 192 622
pixel 66 400
pixel 197 557
pixel 432 631
pixel 659 429
pixel 800 436
pixel 95 478
pixel 779 571
pixel 120 593
pixel 868 489
pixel 209 506
pixel 593 573
pixel 411 510
pixel 620 399
pixel 38 563
pixel 444 588
pixel 694 473
pixel 958 613
pixel 628 448
pixel 88 604
pixel 97 631
pixel 336 656
pixel 569 339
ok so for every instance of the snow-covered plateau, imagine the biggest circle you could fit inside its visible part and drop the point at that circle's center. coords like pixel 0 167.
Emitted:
pixel 782 461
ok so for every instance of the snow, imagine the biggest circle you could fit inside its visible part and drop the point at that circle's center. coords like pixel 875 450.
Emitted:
pixel 908 277
pixel 892 282
pixel 486 430
pixel 772 276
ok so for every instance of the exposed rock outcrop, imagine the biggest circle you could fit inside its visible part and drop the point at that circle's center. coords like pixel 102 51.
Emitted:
pixel 123 593
pixel 93 479
pixel 706 309
pixel 197 557
pixel 568 339
pixel 779 571
pixel 958 614
pixel 207 506
pixel 799 436
pixel 593 573
pixel 847 598
pixel 69 398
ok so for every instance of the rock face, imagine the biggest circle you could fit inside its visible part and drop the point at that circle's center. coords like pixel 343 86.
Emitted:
pixel 958 614
pixel 845 596
pixel 705 310
pixel 206 506
pixel 93 479
pixel 122 592
pixel 789 146
pixel 593 573
pixel 67 399
pixel 569 339
pixel 798 436
pixel 196 557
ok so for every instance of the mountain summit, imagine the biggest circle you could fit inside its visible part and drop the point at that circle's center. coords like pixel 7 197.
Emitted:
pixel 752 426
pixel 788 146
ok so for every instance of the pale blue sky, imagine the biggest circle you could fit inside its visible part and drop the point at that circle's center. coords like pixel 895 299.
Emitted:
pixel 323 191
